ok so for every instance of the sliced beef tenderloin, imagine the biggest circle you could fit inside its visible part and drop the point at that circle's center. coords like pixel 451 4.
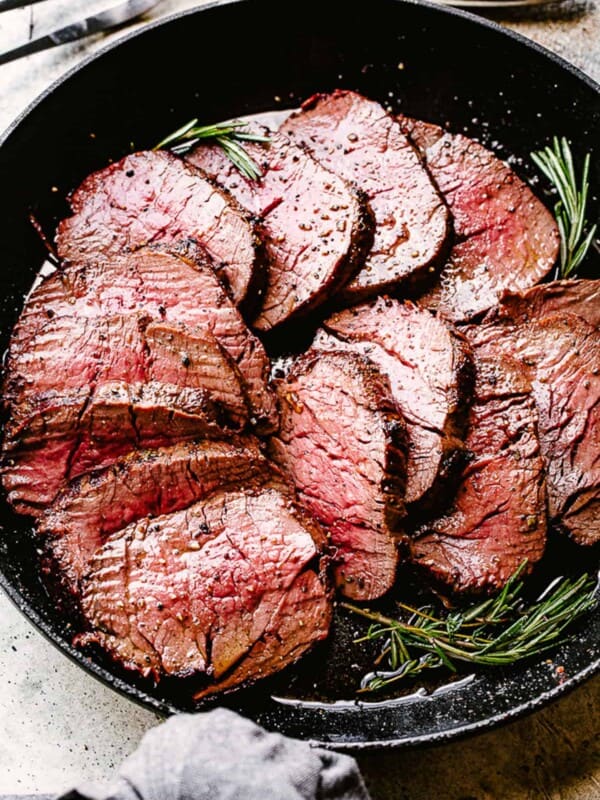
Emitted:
pixel 164 288
pixel 145 483
pixel 429 368
pixel 194 359
pixel 75 432
pixel 560 354
pixel 153 198
pixel 315 227
pixel 301 618
pixel 121 378
pixel 196 590
pixel 498 518
pixel 581 297
pixel 505 238
pixel 357 139
pixel 76 352
pixel 343 443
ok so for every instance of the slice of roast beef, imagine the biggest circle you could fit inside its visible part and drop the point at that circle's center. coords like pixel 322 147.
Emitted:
pixel 72 352
pixel 560 354
pixel 166 289
pixel 75 432
pixel 156 198
pixel 498 518
pixel 315 227
pixel 505 238
pixel 343 443
pixel 430 373
pixel 196 590
pixel 301 618
pixel 194 359
pixel 113 385
pixel 145 483
pixel 581 297
pixel 357 139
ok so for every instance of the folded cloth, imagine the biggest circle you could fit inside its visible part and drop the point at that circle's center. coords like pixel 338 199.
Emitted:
pixel 218 755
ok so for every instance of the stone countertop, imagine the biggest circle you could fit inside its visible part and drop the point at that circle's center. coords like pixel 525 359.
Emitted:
pixel 58 726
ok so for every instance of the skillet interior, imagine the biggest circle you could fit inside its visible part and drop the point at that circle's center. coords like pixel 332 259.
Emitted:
pixel 238 58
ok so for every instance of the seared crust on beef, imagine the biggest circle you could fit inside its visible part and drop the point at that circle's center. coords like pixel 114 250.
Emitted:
pixel 137 351
pixel 581 297
pixel 74 432
pixel 561 355
pixel 155 288
pixel 304 603
pixel 505 238
pixel 78 352
pixel 498 518
pixel 316 228
pixel 429 367
pixel 357 139
pixel 145 483
pixel 155 198
pixel 343 443
pixel 195 591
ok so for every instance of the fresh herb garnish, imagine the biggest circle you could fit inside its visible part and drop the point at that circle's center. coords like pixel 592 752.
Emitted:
pixel 556 163
pixel 496 632
pixel 227 135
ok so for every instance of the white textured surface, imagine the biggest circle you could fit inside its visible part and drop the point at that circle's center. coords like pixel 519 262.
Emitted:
pixel 59 726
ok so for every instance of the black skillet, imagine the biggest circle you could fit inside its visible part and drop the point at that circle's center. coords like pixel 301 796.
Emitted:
pixel 236 58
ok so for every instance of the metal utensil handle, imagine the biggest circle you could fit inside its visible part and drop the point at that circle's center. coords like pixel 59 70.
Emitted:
pixel 8 5
pixel 26 49
pixel 105 20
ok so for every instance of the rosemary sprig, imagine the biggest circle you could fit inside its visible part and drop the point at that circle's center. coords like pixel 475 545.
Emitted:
pixel 227 135
pixel 556 163
pixel 495 632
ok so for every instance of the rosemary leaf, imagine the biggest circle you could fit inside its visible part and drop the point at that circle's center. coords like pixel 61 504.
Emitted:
pixel 239 157
pixel 227 135
pixel 556 163
pixel 176 135
pixel 496 632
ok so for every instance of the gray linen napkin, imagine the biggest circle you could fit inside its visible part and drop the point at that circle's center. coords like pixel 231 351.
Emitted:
pixel 218 755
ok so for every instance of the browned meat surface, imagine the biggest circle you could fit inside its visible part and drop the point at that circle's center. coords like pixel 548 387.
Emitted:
pixel 315 227
pixel 357 139
pixel 138 351
pixel 581 297
pixel 145 483
pixel 70 353
pixel 79 431
pixel 561 355
pixel 302 603
pixel 498 517
pixel 195 591
pixel 163 289
pixel 155 198
pixel 505 238
pixel 429 369
pixel 342 441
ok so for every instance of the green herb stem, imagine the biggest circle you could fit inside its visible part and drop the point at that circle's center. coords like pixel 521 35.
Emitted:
pixel 496 632
pixel 227 135
pixel 556 163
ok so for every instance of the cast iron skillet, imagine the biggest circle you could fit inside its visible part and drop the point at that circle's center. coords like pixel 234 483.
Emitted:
pixel 235 58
